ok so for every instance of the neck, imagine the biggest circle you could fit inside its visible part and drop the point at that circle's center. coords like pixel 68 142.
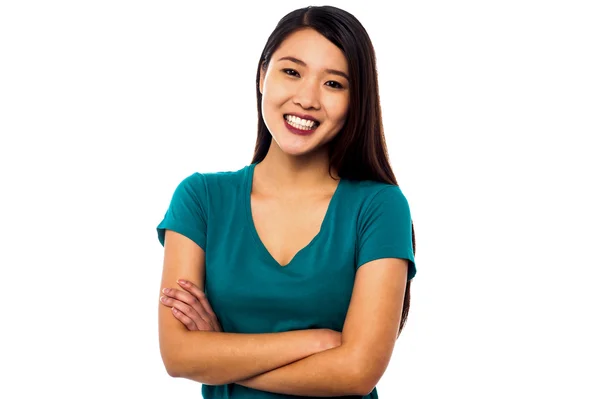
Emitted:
pixel 282 174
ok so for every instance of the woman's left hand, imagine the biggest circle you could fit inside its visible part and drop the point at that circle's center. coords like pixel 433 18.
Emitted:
pixel 191 307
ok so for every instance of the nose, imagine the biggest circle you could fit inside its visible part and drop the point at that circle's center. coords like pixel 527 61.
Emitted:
pixel 307 94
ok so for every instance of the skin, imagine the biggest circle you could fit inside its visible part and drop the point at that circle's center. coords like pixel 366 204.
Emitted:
pixel 297 165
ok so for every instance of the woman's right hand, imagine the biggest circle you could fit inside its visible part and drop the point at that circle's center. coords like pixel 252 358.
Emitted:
pixel 191 307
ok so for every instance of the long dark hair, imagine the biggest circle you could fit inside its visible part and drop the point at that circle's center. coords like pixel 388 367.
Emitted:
pixel 359 151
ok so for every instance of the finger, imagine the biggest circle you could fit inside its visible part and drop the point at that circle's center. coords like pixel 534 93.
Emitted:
pixel 189 299
pixel 189 323
pixel 180 295
pixel 188 311
pixel 201 296
pixel 184 308
pixel 197 292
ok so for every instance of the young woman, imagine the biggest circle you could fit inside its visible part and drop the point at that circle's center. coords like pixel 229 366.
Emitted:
pixel 292 275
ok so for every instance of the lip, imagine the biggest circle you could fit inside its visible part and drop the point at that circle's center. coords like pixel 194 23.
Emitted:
pixel 298 131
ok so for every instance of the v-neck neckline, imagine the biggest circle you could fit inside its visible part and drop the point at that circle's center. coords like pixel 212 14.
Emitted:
pixel 252 227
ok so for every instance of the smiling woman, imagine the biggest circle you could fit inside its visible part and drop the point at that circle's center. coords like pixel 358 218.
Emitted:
pixel 299 265
pixel 304 75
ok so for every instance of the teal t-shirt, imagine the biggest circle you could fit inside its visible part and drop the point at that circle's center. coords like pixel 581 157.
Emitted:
pixel 246 287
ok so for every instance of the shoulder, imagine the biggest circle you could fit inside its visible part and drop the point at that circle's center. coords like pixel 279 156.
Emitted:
pixel 225 177
pixel 201 183
pixel 190 185
pixel 213 190
pixel 377 204
pixel 369 193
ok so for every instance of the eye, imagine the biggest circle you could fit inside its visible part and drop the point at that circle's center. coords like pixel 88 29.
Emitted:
pixel 290 72
pixel 335 85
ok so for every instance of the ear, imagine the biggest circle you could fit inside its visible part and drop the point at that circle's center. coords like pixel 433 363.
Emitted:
pixel 263 72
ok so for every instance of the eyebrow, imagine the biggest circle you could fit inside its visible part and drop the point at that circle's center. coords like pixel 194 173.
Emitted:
pixel 300 62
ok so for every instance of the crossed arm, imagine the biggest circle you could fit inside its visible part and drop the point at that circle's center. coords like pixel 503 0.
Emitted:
pixel 329 373
pixel 353 368
pixel 368 338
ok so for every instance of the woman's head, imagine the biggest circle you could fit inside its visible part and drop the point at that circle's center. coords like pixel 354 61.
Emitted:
pixel 327 38
pixel 305 79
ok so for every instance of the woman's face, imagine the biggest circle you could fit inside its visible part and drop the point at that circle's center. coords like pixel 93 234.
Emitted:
pixel 307 77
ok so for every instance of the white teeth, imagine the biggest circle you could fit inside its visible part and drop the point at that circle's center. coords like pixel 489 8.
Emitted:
pixel 300 123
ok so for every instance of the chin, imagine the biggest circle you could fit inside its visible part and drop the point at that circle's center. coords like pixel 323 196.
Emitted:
pixel 296 151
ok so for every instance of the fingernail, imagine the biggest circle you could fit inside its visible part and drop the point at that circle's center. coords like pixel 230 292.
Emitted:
pixel 182 282
pixel 162 298
pixel 165 290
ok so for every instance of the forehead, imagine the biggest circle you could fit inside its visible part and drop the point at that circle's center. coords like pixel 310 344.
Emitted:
pixel 313 48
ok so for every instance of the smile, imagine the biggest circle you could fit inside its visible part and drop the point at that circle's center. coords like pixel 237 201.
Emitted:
pixel 300 126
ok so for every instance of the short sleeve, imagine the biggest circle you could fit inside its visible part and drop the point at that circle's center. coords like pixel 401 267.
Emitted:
pixel 186 214
pixel 385 229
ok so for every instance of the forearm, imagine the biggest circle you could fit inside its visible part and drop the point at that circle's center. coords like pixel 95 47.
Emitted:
pixel 328 373
pixel 217 358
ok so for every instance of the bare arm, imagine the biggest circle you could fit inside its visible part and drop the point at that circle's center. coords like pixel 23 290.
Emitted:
pixel 368 338
pixel 217 358
pixel 332 372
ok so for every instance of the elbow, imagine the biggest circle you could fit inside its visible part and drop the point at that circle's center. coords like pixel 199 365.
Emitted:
pixel 171 372
pixel 364 384
pixel 171 354
pixel 366 374
pixel 173 362
pixel 176 359
pixel 357 381
pixel 365 391
pixel 176 367
pixel 171 366
pixel 171 347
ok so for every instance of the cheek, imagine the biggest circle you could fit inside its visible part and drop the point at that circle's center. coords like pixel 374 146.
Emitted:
pixel 337 109
pixel 275 91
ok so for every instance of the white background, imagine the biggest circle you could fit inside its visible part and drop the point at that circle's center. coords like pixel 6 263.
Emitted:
pixel 491 112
